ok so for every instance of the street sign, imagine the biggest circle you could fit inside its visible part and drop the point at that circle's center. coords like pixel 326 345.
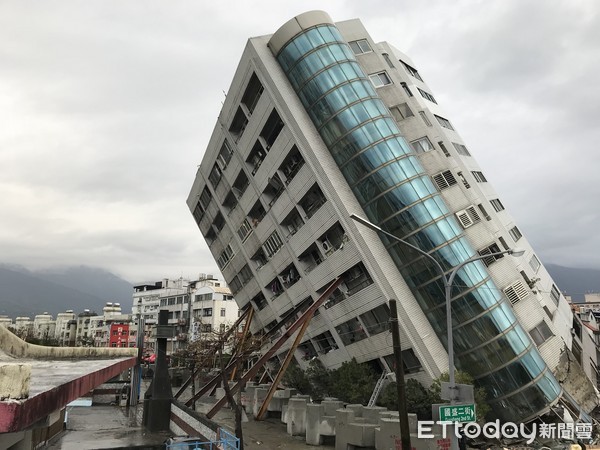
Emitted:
pixel 463 393
pixel 458 413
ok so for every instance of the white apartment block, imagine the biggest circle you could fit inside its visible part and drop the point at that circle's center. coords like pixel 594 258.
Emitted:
pixel 321 122
pixel 63 327
pixel 212 309
pixel 44 327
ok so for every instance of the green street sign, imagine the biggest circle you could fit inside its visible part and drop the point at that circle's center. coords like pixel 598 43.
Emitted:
pixel 457 413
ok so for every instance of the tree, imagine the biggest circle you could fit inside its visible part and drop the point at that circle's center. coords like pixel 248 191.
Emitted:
pixel 296 378
pixel 481 406
pixel 418 398
pixel 353 382
pixel 320 380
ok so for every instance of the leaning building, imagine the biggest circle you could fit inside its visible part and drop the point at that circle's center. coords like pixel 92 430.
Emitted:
pixel 321 122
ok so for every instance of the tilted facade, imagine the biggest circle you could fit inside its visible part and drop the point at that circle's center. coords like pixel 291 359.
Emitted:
pixel 321 122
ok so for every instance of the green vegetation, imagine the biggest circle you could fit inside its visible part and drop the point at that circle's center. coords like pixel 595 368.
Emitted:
pixel 351 382
pixel 354 383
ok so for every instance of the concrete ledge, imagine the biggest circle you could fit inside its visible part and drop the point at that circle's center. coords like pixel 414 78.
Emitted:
pixel 14 346
pixel 57 392
pixel 14 381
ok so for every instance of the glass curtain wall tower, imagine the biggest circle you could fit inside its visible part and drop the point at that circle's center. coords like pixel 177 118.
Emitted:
pixel 398 195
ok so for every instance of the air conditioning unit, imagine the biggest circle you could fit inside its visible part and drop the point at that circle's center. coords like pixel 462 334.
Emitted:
pixel 326 245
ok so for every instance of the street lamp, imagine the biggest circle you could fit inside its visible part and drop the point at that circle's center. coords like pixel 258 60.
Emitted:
pixel 448 280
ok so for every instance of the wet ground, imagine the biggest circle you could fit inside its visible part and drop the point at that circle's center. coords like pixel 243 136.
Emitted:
pixel 104 427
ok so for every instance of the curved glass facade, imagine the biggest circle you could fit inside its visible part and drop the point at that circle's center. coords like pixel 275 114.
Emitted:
pixel 398 195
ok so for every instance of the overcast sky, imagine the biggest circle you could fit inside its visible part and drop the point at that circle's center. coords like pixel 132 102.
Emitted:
pixel 106 108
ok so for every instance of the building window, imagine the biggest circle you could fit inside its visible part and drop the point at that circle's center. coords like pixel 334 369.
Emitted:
pixel 198 213
pixel 388 60
pixel 484 212
pixel 291 164
pixel 401 112
pixel 240 184
pixel 444 122
pixel 422 145
pixel 238 125
pixel 541 333
pixel 361 46
pixel 222 312
pixel 252 94
pixel 207 312
pixel 206 328
pixel 490 259
pixel 535 264
pixel 324 341
pixel 412 71
pixel 205 197
pixel 555 294
pixel 444 180
pixel 272 244
pixel 225 257
pixel 256 156
pixel 515 233
pixel 380 79
pixel 356 279
pixel 497 204
pixel 259 300
pixel 351 331
pixel 271 130
pixel 468 217
pixel 224 154
pixel 425 118
pixel 427 95
pixel 461 149
pixel 244 230
pixel 312 201
pixel 444 149
pixel 245 274
pixel 409 360
pixel 377 320
pixel 479 176
pixel 406 89
pixel 215 175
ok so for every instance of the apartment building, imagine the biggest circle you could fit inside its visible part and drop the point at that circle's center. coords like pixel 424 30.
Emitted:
pixel 321 122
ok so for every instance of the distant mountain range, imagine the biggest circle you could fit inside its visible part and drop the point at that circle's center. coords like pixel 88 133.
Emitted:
pixel 575 282
pixel 27 293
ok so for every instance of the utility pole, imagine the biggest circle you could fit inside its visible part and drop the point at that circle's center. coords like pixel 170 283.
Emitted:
pixel 402 411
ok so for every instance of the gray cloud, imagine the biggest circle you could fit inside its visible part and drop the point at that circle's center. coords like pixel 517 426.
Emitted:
pixel 107 107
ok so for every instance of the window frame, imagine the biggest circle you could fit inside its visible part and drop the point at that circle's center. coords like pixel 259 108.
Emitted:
pixel 378 76
pixel 358 43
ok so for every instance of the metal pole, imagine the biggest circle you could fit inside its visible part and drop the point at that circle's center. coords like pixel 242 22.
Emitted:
pixel 400 385
pixel 448 280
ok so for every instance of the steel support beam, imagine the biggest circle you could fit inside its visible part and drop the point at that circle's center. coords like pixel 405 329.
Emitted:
pixel 289 332
pixel 225 336
pixel 282 369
